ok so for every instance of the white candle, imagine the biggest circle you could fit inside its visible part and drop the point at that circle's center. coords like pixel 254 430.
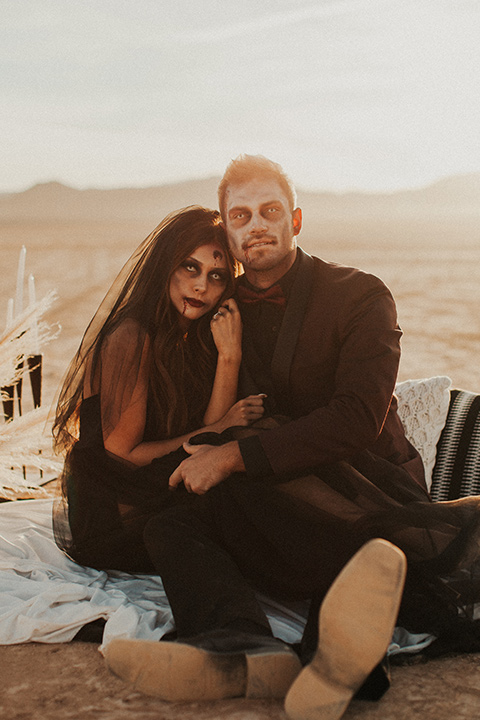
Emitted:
pixel 20 281
pixel 32 301
pixel 9 314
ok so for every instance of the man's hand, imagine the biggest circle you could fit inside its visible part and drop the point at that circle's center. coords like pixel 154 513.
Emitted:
pixel 207 467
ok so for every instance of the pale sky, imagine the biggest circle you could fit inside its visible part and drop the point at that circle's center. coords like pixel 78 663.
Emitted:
pixel 345 94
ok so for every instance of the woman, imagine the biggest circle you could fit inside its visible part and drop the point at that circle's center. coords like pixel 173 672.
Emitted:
pixel 158 363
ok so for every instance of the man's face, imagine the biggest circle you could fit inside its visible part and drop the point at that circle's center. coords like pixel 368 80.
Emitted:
pixel 261 228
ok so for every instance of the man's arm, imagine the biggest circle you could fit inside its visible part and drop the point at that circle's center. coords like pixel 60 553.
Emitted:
pixel 207 467
pixel 365 372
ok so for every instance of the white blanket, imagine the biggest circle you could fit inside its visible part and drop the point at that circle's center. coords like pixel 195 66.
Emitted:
pixel 45 597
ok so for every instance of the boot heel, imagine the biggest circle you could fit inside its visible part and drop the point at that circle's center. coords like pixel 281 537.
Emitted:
pixel 313 698
pixel 271 674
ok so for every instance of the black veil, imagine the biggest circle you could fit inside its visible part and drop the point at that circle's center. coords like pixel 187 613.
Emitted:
pixel 105 502
pixel 138 301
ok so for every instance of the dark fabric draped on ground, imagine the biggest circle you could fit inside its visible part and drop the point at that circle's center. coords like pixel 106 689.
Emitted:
pixel 289 539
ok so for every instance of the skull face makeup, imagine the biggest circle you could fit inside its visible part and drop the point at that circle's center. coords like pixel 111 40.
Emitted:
pixel 197 285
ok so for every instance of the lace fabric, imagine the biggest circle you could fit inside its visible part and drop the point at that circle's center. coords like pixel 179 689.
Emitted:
pixel 423 408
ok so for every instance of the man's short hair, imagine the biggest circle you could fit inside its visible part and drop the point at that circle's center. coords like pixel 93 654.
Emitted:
pixel 249 167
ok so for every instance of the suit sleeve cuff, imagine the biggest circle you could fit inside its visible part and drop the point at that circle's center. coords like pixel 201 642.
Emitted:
pixel 254 458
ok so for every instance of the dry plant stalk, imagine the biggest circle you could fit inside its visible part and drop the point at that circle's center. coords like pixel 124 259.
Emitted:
pixel 25 445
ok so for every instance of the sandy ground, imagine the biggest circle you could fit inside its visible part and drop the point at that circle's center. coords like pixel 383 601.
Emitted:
pixel 437 288
pixel 63 682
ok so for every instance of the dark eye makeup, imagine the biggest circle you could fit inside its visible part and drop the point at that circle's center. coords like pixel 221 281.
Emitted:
pixel 189 265
pixel 192 267
pixel 222 275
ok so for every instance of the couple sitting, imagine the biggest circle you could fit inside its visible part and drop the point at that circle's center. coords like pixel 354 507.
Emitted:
pixel 304 488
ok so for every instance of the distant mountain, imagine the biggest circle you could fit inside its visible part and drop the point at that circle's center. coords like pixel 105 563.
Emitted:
pixel 464 189
pixel 52 201
pixel 458 193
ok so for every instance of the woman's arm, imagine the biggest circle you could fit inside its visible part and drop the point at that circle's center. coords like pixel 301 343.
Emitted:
pixel 226 328
pixel 123 432
pixel 222 411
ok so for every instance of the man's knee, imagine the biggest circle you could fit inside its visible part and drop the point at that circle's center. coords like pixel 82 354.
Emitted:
pixel 162 527
pixel 168 530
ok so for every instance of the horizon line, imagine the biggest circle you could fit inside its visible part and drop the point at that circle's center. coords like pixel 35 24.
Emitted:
pixel 205 178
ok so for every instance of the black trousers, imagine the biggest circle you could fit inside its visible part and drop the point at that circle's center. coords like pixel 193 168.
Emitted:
pixel 242 535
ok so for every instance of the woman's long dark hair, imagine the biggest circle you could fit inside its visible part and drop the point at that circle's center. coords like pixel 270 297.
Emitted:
pixel 138 307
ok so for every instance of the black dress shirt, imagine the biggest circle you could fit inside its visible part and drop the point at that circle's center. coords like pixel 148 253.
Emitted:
pixel 261 322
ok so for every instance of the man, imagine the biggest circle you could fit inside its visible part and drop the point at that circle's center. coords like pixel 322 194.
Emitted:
pixel 283 510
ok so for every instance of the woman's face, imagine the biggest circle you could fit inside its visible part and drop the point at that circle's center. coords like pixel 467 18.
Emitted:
pixel 198 283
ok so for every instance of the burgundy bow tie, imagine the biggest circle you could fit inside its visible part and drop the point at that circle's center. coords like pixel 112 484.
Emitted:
pixel 273 295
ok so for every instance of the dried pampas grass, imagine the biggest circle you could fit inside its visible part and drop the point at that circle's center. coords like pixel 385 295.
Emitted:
pixel 23 337
pixel 25 444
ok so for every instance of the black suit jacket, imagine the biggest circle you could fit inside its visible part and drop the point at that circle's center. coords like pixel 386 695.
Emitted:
pixel 333 373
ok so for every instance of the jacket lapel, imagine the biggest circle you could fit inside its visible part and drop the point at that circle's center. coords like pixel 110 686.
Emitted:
pixel 291 325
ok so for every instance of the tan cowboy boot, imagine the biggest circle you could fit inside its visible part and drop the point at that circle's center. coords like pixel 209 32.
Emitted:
pixel 356 622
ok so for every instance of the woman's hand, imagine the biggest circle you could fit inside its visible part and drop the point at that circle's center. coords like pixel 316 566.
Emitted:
pixel 245 412
pixel 226 326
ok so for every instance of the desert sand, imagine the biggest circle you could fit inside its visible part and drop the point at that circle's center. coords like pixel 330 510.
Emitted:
pixel 69 682
pixel 424 245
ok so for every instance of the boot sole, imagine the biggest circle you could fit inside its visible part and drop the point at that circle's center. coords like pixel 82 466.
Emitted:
pixel 357 619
